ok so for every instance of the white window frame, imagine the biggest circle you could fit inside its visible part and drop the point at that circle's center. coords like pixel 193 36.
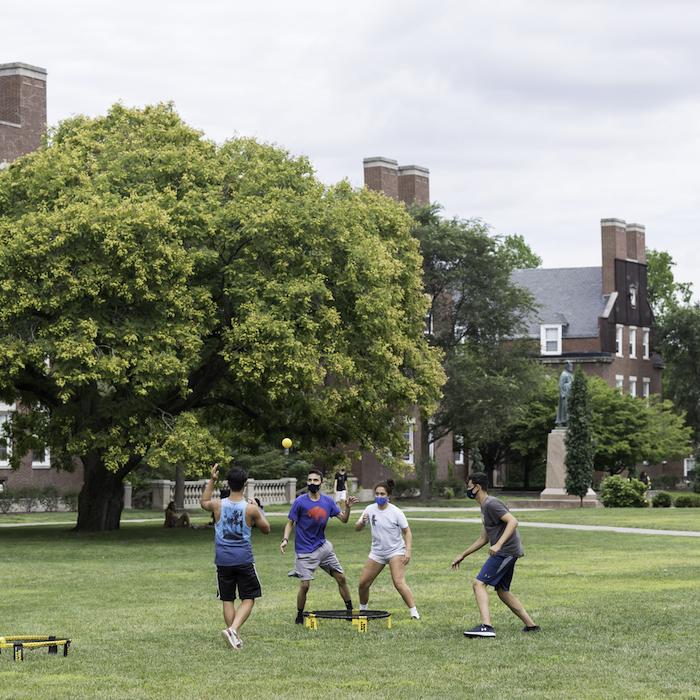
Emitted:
pixel 460 333
pixel 543 338
pixel 458 457
pixel 645 343
pixel 646 387
pixel 44 463
pixel 633 293
pixel 408 456
pixel 689 465
pixel 619 383
pixel 428 323
pixel 431 442
pixel 633 386
pixel 633 342
pixel 619 340
pixel 5 411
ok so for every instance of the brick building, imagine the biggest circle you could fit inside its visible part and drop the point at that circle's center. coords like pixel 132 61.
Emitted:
pixel 22 127
pixel 409 184
pixel 599 317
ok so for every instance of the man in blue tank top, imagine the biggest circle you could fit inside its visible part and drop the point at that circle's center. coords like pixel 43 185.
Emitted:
pixel 235 565
pixel 310 513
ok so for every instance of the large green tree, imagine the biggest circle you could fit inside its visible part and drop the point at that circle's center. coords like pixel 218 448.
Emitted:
pixel 664 292
pixel 147 274
pixel 476 311
pixel 679 336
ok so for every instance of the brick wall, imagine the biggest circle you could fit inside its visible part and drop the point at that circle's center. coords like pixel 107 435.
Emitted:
pixel 22 109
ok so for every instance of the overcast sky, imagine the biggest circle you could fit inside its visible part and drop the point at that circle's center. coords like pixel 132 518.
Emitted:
pixel 540 117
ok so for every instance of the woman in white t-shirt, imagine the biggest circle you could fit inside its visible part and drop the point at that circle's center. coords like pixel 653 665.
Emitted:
pixel 391 544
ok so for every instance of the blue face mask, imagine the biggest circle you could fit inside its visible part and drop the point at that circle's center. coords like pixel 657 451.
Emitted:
pixel 381 500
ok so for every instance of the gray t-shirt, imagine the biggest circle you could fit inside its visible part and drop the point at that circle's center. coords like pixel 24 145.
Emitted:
pixel 492 510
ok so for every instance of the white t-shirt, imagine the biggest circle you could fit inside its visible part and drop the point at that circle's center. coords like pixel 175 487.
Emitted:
pixel 386 528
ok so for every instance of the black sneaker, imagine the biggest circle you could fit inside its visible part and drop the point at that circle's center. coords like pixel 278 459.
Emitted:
pixel 480 631
pixel 533 628
pixel 300 618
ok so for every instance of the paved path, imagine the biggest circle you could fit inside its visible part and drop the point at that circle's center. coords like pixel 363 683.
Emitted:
pixel 469 521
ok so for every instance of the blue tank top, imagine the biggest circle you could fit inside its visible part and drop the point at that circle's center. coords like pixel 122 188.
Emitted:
pixel 232 535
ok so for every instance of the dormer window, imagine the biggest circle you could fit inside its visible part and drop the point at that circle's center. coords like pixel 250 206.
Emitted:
pixel 550 339
pixel 633 296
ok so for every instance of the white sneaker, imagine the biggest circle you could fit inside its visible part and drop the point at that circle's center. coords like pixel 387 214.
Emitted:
pixel 232 639
pixel 415 616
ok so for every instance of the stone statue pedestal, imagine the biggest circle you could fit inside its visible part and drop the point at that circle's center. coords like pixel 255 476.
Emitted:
pixel 555 483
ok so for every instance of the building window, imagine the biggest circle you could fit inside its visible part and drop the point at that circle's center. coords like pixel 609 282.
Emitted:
pixel 458 449
pixel 688 466
pixel 408 437
pixel 633 386
pixel 619 382
pixel 428 324
pixel 6 448
pixel 633 296
pixel 633 342
pixel 618 340
pixel 646 387
pixel 550 340
pixel 645 343
pixel 431 442
pixel 460 333
pixel 41 459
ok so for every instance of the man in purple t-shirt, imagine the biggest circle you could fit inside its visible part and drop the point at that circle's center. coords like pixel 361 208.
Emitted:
pixel 310 513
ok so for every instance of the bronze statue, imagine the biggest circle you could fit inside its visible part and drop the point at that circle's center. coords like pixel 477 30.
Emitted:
pixel 566 379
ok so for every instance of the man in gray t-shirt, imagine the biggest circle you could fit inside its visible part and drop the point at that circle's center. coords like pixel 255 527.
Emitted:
pixel 500 533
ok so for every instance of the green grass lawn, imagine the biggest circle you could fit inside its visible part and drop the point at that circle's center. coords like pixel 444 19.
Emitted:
pixel 620 616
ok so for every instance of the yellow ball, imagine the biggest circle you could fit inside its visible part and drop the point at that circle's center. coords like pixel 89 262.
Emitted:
pixel 286 443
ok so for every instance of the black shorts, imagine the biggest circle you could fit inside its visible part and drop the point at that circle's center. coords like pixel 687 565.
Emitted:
pixel 243 577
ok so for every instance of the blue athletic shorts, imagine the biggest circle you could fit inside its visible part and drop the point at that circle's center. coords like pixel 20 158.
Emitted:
pixel 497 571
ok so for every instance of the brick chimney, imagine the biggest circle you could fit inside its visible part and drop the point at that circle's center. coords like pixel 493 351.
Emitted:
pixel 382 175
pixel 22 109
pixel 620 241
pixel 406 183
pixel 414 184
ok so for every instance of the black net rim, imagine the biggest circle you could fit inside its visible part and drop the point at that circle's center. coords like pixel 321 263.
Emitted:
pixel 19 639
pixel 348 615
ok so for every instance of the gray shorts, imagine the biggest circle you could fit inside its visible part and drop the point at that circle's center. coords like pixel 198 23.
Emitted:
pixel 306 563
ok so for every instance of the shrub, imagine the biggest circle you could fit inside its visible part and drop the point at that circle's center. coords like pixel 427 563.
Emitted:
pixel 662 500
pixel 690 500
pixel 452 488
pixel 29 497
pixel 617 492
pixel 49 499
pixel 70 498
pixel 665 481
pixel 6 502
pixel 406 488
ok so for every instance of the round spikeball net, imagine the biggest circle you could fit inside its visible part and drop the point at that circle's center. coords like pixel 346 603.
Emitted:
pixel 22 642
pixel 359 618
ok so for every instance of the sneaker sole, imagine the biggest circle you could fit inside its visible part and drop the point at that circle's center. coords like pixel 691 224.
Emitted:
pixel 479 634
pixel 229 641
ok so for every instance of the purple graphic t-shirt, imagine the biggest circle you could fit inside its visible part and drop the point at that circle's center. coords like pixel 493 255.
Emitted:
pixel 311 518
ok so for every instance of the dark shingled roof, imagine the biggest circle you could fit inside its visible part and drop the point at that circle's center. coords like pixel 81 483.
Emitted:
pixel 571 296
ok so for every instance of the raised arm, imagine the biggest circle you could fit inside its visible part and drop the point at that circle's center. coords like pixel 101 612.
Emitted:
pixel 344 514
pixel 362 521
pixel 205 500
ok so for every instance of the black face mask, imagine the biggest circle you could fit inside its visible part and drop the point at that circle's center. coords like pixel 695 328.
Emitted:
pixel 471 493
pixel 313 488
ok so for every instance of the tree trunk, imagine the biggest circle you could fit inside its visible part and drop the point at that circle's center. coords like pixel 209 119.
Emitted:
pixel 101 499
pixel 179 488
